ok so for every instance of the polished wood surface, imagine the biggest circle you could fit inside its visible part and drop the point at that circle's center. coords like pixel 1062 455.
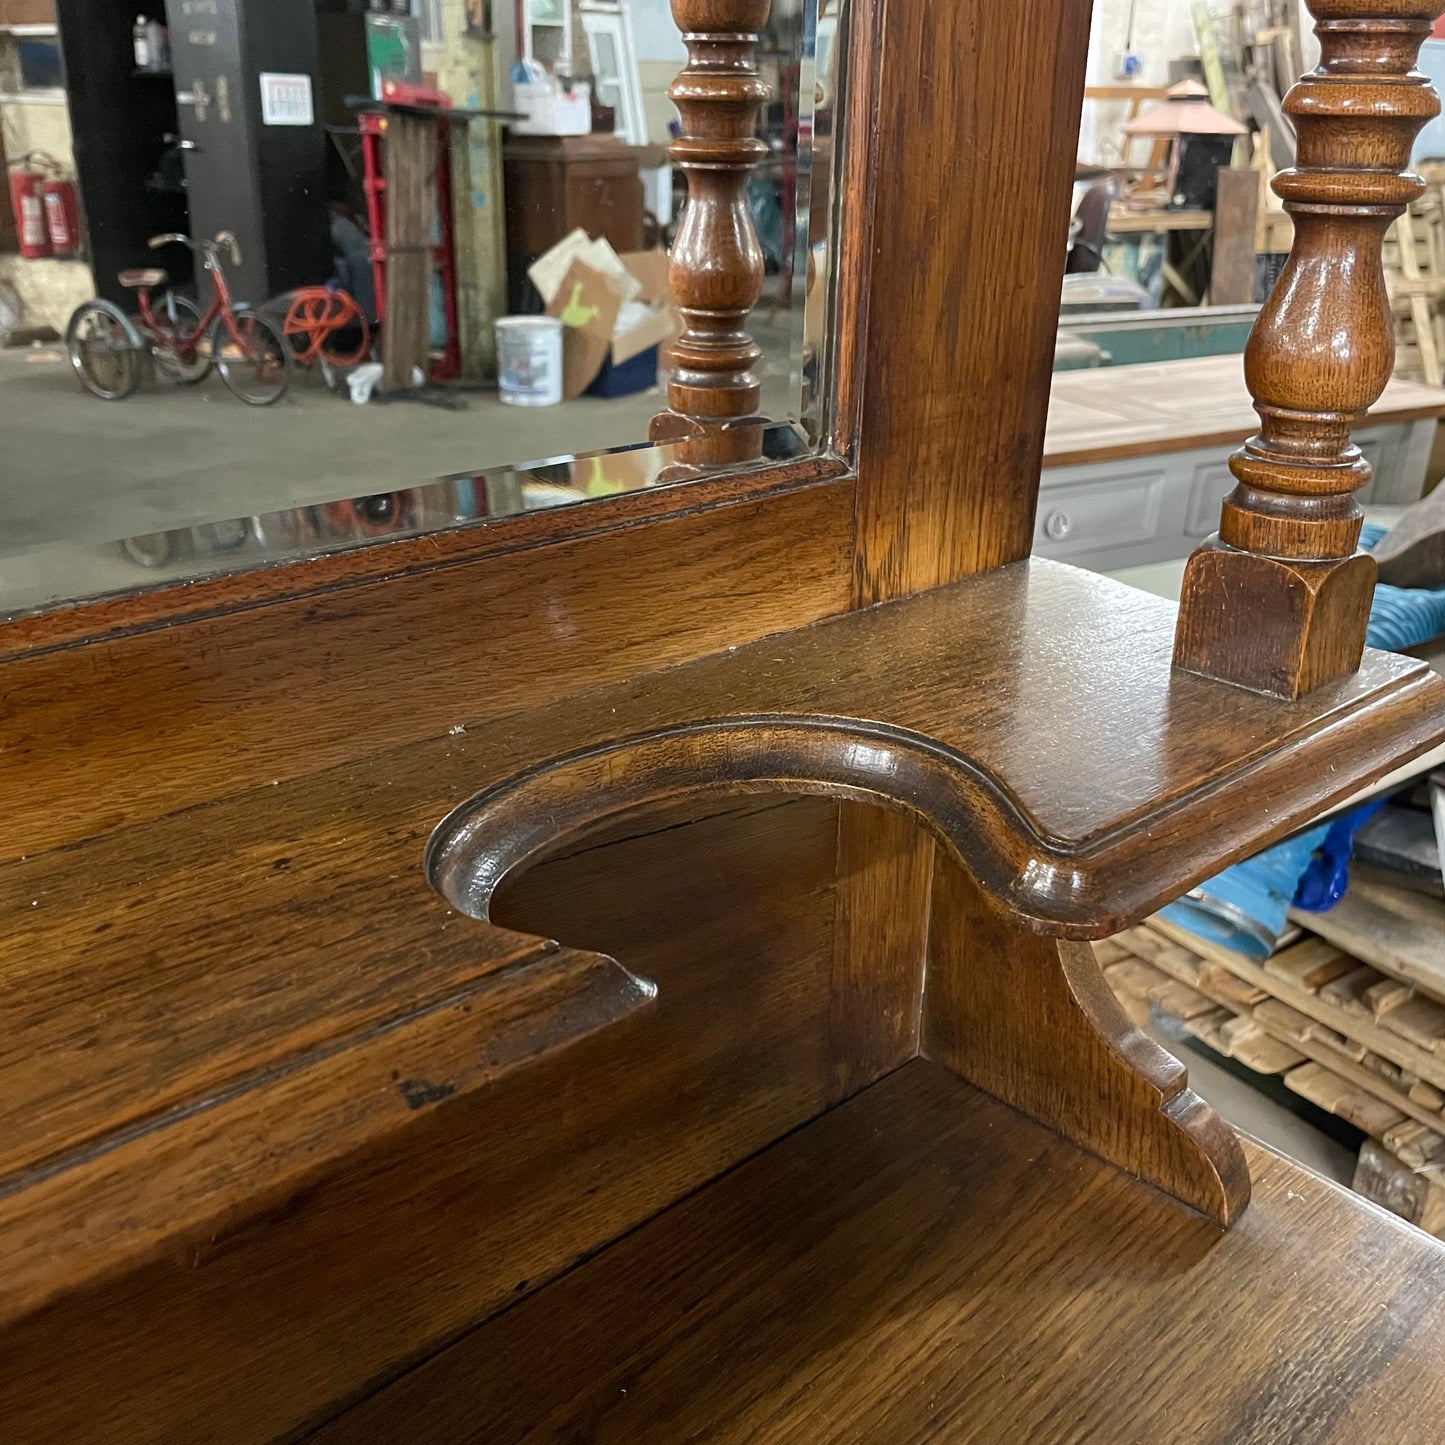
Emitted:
pixel 1033 1031
pixel 242 1332
pixel 955 706
pixel 1319 356
pixel 557 183
pixel 717 263
pixel 924 1265
pixel 222 948
pixel 142 723
pixel 957 384
pixel 1107 413
pixel 1029 716
pixel 961 379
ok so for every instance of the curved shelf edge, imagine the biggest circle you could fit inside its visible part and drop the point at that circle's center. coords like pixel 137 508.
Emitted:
pixel 1079 890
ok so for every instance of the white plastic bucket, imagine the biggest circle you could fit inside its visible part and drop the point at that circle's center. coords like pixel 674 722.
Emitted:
pixel 529 360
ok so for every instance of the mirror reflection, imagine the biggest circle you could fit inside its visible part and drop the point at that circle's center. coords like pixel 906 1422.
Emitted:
pixel 262 258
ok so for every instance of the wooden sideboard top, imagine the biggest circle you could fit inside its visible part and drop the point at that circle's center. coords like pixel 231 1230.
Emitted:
pixel 192 1005
pixel 1105 413
pixel 925 1264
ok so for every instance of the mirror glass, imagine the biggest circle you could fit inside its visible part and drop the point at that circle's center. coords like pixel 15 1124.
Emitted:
pixel 279 277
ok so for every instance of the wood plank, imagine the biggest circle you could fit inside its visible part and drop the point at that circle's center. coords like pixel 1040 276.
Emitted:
pixel 1337 1096
pixel 96 738
pixel 941 468
pixel 1395 930
pixel 1310 964
pixel 1236 205
pixel 1361 1029
pixel 885 874
pixel 492 1194
pixel 924 1265
pixel 1272 1037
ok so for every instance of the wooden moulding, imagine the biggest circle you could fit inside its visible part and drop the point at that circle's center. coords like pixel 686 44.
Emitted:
pixel 1279 601
pixel 717 264
pixel 1028 717
pixel 1039 837
pixel 156 1170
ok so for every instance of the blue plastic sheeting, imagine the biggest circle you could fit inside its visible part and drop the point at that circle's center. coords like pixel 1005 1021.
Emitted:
pixel 1244 907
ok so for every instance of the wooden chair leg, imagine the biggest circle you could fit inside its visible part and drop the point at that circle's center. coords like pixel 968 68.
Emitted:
pixel 1032 1021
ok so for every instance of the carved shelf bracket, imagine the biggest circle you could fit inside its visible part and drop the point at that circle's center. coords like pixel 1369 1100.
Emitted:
pixel 717 264
pixel 1279 601
pixel 1028 1018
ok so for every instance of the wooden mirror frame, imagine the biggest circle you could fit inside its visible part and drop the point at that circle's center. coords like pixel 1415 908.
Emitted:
pixel 223 792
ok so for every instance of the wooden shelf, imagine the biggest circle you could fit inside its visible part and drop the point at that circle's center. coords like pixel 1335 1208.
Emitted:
pixel 264 975
pixel 1029 715
pixel 924 1264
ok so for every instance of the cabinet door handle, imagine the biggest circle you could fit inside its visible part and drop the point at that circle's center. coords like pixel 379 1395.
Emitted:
pixel 1057 526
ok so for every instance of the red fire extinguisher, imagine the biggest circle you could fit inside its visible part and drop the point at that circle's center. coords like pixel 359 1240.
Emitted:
pixel 62 215
pixel 26 182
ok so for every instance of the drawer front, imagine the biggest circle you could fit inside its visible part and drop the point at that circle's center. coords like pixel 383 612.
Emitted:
pixel 1100 514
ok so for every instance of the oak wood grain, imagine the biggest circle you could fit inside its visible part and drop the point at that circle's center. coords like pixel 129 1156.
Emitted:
pixel 880 943
pixel 1029 716
pixel 137 726
pixel 172 604
pixel 973 171
pixel 924 1264
pixel 244 1335
pixel 1033 1022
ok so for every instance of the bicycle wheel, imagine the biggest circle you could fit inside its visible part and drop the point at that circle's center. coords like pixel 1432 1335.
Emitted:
pixel 180 353
pixel 256 362
pixel 102 351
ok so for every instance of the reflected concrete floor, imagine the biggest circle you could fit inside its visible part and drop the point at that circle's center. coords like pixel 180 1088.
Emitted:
pixel 76 469
pixel 80 473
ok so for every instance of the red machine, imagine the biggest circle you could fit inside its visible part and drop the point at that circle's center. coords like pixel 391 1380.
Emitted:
pixel 62 215
pixel 27 180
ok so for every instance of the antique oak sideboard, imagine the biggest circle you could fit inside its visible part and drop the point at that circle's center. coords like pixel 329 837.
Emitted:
pixel 818 1123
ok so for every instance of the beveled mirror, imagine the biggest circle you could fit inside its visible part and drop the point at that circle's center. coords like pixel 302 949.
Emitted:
pixel 281 279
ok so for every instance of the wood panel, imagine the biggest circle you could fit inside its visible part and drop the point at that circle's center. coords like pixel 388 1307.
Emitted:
pixel 485 1196
pixel 101 737
pixel 885 861
pixel 1032 1021
pixel 974 165
pixel 1029 715
pixel 923 1264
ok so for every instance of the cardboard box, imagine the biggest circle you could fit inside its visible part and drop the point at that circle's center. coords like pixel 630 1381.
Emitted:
pixel 613 308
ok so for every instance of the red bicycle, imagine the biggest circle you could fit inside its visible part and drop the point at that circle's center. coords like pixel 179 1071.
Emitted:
pixel 106 346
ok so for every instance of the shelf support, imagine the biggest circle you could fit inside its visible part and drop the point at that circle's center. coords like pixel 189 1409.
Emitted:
pixel 1278 602
pixel 1032 1021
pixel 1027 1017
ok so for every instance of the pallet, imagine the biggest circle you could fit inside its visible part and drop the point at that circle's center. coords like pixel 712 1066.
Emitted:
pixel 1340 1034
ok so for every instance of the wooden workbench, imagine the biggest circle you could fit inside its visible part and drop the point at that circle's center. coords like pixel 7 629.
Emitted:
pixel 1278 229
pixel 1136 458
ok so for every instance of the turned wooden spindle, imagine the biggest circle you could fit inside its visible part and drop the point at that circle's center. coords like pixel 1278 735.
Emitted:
pixel 1278 602
pixel 717 264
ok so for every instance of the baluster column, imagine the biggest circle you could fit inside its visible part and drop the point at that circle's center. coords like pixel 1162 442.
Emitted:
pixel 1278 602
pixel 717 264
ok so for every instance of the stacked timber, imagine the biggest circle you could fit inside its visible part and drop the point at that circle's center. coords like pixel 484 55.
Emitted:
pixel 1350 1016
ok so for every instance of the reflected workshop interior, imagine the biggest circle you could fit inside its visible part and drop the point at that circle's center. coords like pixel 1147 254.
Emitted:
pixel 722 721
pixel 262 255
